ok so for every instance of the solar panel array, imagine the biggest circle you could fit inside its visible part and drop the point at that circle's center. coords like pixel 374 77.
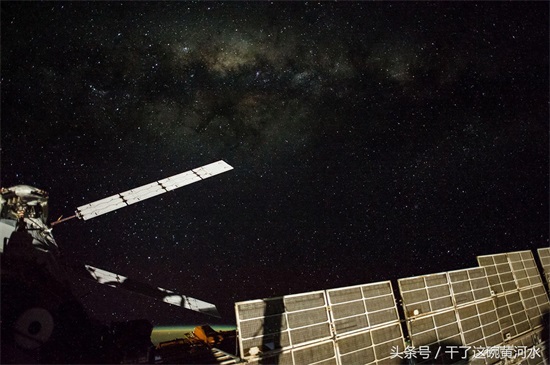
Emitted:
pixel 114 202
pixel 366 323
pixel 452 309
pixel 344 324
pixel 529 348
pixel 520 294
pixel 494 313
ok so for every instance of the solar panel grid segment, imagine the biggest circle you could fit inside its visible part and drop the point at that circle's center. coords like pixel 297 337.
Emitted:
pixel 361 307
pixel 361 315
pixel 435 329
pixel 479 324
pixel 470 320
pixel 469 285
pixel 425 294
pixel 212 169
pixel 142 193
pixel 511 314
pixel 307 316
pixel 262 322
pixel 384 340
pixel 277 324
pixel 476 310
pixel 536 304
pixel 323 353
pixel 475 307
pixel 523 307
pixel 428 308
pixel 524 269
pixel 363 320
pixel 530 349
pixel 284 357
pixel 355 349
pixel 499 272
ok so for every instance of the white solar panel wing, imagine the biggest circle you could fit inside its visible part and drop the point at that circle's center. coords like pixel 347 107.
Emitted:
pixel 177 181
pixel 212 169
pixel 147 191
pixel 143 192
pixel 105 277
pixel 99 207
pixel 187 302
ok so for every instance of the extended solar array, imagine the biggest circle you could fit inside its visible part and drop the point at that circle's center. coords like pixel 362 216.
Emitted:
pixel 494 313
pixel 337 326
pixel 520 295
pixel 365 323
pixel 453 308
pixel 147 191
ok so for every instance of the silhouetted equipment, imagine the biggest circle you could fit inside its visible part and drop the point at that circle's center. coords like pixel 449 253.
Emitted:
pixel 132 342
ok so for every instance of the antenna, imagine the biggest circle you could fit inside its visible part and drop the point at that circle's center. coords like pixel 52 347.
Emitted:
pixel 147 191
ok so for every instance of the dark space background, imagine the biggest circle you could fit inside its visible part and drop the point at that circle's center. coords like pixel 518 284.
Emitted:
pixel 370 141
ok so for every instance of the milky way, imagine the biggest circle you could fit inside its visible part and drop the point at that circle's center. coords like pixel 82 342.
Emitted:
pixel 370 140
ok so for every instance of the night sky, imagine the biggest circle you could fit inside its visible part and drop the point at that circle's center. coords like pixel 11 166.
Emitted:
pixel 370 141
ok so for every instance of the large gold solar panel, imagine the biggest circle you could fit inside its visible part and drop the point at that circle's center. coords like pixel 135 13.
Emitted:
pixel 275 324
pixel 425 294
pixel 371 347
pixel 535 302
pixel 467 318
pixel 478 315
pixel 469 285
pixel 520 306
pixel 511 271
pixel 524 269
pixel 499 272
pixel 361 307
pixel 342 325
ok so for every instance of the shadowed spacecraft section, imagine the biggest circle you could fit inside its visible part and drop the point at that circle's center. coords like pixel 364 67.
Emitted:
pixel 42 319
pixel 136 195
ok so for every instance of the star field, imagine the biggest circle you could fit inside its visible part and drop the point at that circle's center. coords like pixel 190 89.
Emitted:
pixel 370 141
